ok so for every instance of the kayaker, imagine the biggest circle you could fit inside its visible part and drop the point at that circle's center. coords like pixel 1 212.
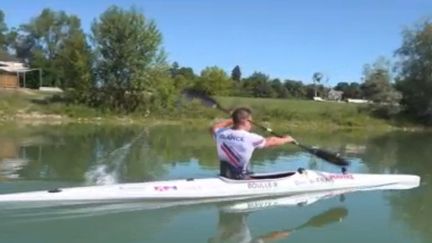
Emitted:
pixel 235 143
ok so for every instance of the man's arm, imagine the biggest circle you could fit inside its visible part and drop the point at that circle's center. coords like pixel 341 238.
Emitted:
pixel 277 141
pixel 221 124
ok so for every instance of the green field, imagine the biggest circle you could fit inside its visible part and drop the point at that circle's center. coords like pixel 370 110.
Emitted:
pixel 308 114
pixel 33 104
pixel 282 114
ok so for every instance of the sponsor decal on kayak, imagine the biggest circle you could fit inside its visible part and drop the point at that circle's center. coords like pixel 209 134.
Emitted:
pixel 262 185
pixel 298 182
pixel 331 178
pixel 262 204
pixel 340 177
pixel 321 179
pixel 165 188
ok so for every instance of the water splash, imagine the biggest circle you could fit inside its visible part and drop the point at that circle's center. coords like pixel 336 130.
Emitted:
pixel 107 169
pixel 101 175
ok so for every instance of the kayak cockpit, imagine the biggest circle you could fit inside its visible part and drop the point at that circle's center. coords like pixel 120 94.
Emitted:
pixel 272 175
pixel 263 176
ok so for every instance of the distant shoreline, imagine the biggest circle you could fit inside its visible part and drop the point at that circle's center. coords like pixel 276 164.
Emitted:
pixel 36 119
pixel 35 108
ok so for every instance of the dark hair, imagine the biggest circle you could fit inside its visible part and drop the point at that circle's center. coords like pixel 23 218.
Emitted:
pixel 240 114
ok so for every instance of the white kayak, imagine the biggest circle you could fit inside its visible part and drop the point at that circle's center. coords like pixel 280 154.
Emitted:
pixel 220 188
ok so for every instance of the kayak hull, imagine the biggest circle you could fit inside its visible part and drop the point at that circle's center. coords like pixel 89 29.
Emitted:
pixel 280 184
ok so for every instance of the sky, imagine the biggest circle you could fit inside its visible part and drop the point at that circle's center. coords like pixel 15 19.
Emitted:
pixel 281 38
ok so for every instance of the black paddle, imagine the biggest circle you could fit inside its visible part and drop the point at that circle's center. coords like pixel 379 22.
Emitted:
pixel 330 216
pixel 328 156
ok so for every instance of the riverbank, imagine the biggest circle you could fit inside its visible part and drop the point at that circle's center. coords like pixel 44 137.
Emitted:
pixel 35 107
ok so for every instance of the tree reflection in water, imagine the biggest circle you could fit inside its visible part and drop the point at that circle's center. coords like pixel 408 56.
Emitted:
pixel 409 153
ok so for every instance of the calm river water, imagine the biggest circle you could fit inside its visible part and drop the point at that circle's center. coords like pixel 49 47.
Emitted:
pixel 44 157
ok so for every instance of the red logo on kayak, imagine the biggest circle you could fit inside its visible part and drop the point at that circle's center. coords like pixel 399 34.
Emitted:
pixel 165 188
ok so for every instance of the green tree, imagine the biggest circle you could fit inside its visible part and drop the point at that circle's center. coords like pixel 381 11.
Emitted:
pixel 214 81
pixel 354 91
pixel 174 69
pixel 184 78
pixel 415 70
pixel 187 72
pixel 236 74
pixel 130 61
pixel 376 78
pixel 279 89
pixel 312 90
pixel 350 90
pixel 377 87
pixel 55 42
pixel 342 86
pixel 317 77
pixel 3 32
pixel 258 85
pixel 21 44
pixel 295 89
pixel 76 59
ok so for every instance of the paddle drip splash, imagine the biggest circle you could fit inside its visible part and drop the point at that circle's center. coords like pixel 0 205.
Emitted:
pixel 107 170
pixel 101 175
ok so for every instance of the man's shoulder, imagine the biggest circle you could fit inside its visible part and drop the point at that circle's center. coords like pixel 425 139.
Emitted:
pixel 222 130
pixel 237 132
pixel 250 133
pixel 254 136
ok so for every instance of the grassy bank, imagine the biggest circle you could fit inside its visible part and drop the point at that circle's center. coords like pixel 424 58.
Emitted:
pixel 34 106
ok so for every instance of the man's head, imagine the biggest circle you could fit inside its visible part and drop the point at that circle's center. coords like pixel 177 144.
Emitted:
pixel 242 117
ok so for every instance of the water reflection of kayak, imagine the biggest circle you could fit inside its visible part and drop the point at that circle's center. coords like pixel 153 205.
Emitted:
pixel 248 206
pixel 233 227
pixel 243 207
pixel 135 215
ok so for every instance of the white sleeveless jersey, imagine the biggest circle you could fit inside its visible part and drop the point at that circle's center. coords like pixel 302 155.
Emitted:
pixel 237 146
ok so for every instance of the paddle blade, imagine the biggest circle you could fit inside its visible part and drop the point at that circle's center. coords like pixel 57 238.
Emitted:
pixel 275 236
pixel 202 97
pixel 334 158
pixel 330 216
